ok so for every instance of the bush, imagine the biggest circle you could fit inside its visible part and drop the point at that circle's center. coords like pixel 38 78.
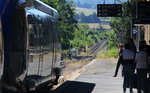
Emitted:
pixel 108 53
pixel 113 53
pixel 102 54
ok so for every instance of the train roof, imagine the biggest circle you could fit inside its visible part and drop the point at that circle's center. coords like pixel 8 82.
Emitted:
pixel 33 11
pixel 40 10
pixel 45 8
pixel 35 15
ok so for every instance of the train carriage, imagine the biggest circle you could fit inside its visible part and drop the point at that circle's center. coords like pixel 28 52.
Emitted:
pixel 32 47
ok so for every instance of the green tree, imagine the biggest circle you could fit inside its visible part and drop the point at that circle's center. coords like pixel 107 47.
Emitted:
pixel 52 3
pixel 67 24
pixel 112 40
pixel 81 39
pixel 122 25
pixel 85 37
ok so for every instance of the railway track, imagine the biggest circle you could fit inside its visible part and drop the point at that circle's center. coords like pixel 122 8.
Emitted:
pixel 99 46
pixel 73 72
pixel 93 51
pixel 80 62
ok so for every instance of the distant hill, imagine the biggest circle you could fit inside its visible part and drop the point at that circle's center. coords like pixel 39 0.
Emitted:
pixel 92 4
pixel 85 15
pixel 97 25
pixel 86 11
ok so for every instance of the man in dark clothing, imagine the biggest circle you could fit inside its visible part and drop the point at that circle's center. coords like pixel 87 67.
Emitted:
pixel 132 45
pixel 127 61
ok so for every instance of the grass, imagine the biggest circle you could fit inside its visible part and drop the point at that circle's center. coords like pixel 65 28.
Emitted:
pixel 107 54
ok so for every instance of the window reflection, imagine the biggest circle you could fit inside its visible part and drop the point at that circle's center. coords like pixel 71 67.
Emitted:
pixel 1 54
pixel 41 46
pixel 0 47
pixel 44 44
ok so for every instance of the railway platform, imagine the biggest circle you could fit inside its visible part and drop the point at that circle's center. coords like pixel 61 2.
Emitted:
pixel 97 78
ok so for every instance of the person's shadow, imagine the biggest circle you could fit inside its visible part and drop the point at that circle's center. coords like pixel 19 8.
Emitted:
pixel 75 87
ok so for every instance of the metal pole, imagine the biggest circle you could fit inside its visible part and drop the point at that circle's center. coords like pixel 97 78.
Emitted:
pixel 104 1
pixel 115 1
pixel 131 28
pixel 138 37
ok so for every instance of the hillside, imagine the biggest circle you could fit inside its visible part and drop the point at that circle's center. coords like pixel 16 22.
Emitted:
pixel 86 11
pixel 89 15
pixel 92 4
pixel 96 25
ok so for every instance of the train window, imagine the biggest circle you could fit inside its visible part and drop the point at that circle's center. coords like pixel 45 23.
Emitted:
pixel 34 48
pixel 48 47
pixel 57 44
pixel 40 46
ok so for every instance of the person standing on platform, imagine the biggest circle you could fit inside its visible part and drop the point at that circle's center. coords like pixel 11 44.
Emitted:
pixel 141 67
pixel 120 49
pixel 132 45
pixel 127 61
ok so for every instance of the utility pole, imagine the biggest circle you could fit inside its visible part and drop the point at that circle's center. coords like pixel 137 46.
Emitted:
pixel 114 1
pixel 133 9
pixel 104 1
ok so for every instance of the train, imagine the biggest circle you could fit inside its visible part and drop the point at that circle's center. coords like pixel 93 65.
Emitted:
pixel 30 46
pixel 1 57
